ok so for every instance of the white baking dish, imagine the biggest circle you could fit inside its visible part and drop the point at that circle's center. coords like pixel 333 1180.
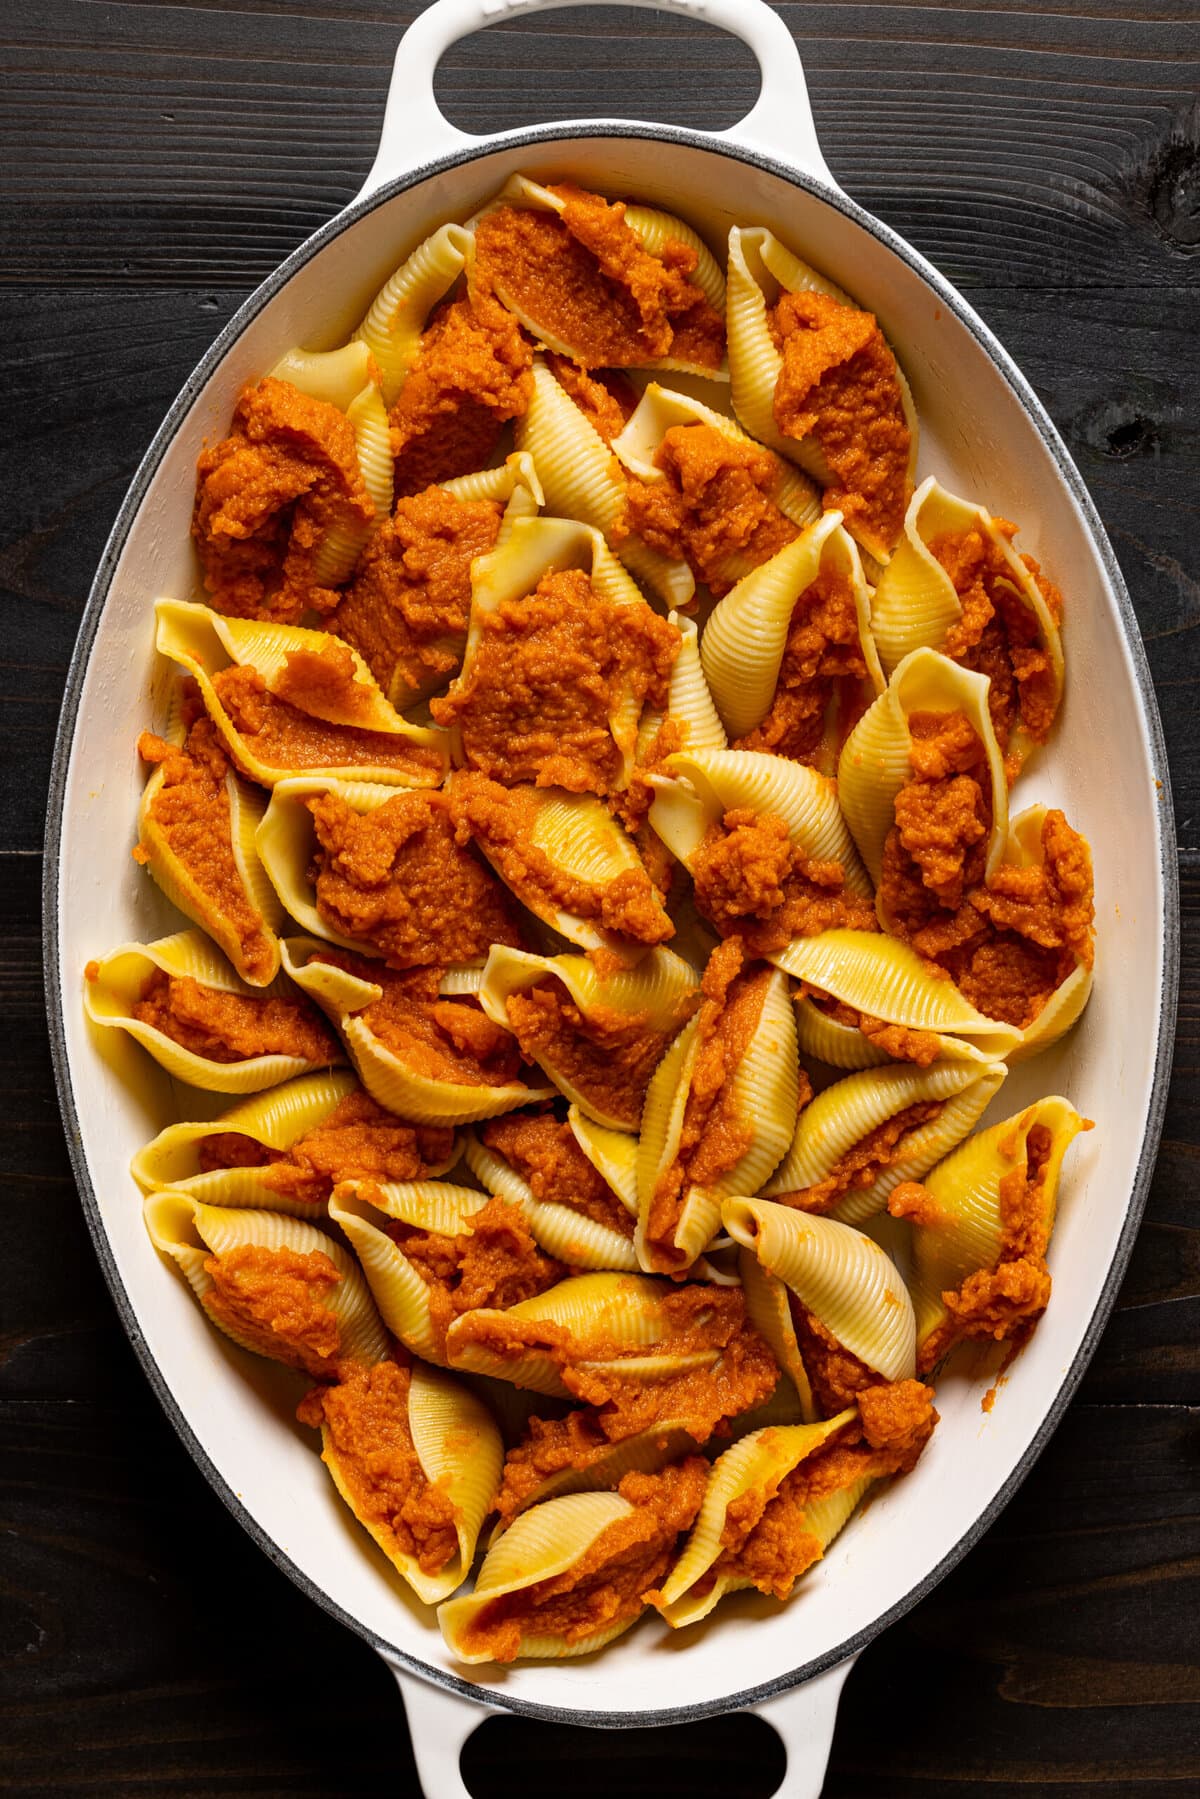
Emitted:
pixel 985 434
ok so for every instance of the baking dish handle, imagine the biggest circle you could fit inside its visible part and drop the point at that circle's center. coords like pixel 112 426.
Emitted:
pixel 439 1724
pixel 415 130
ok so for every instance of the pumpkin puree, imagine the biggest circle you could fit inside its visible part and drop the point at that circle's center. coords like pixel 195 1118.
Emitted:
pixel 267 497
pixel 605 1586
pixel 713 1136
pixel 548 677
pixel 749 879
pixel 822 689
pixel 1005 1301
pixel 699 1401
pixel 437 1038
pixel 608 1056
pixel 276 1301
pixel 493 1262
pixel 1009 941
pixel 283 736
pixel 472 373
pixel 713 507
pixel 364 1421
pixel 502 821
pixel 357 1141
pixel 998 634
pixel 191 813
pixel 233 1027
pixel 839 385
pixel 399 879
pixel 544 1152
pixel 605 397
pixel 767 1539
pixel 406 610
pixel 584 279
pixel 862 1165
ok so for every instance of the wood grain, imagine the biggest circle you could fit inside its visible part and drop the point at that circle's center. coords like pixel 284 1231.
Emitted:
pixel 160 159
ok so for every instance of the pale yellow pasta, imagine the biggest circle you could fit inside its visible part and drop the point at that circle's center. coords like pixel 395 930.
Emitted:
pixel 396 318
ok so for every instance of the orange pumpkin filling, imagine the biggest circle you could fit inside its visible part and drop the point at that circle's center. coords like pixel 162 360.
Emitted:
pixel 233 1027
pixel 435 1038
pixel 364 1422
pixel 998 635
pixel 713 507
pixel 1005 1301
pixel 286 738
pixel 397 878
pixel 605 1056
pixel 544 1151
pixel 605 1587
pixel 471 375
pixel 839 385
pixel 822 687
pixel 406 610
pixel 268 496
pixel 750 880
pixel 767 1538
pixel 584 279
pixel 714 1133
pixel 861 1166
pixel 494 1261
pixel 357 1141
pixel 550 675
pixel 604 396
pixel 502 821
pixel 276 1302
pixel 191 813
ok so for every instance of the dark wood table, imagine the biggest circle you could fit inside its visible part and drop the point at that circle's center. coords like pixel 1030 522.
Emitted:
pixel 160 160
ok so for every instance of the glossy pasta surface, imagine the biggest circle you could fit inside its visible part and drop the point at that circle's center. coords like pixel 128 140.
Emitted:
pixel 587 794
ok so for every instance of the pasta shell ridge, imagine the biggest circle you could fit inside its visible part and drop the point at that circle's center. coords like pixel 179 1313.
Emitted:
pixel 396 318
pixel 837 1045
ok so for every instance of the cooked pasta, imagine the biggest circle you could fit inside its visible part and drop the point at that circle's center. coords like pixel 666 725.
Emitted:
pixel 589 797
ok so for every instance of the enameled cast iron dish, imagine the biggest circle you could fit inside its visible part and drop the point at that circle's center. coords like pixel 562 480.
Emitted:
pixel 985 434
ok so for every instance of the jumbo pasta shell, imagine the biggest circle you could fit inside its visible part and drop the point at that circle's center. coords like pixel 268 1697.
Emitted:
pixel 275 1120
pixel 653 229
pixel 661 410
pixel 255 955
pixel 755 1465
pixel 120 977
pixel 396 319
pixel 884 978
pixel 963 1231
pixel 581 482
pixel 605 1315
pixel 189 1231
pixel 658 993
pixel 346 379
pixel 613 1154
pixel 915 600
pixel 459 1451
pixel 286 841
pixel 695 724
pixel 403 1297
pixel 567 1235
pixel 204 642
pixel 838 1045
pixel 583 842
pixel 1024 848
pixel 745 638
pixel 763 1095
pixel 387 1076
pixel 709 783
pixel 760 269
pixel 839 1275
pixel 840 1117
pixel 542 1543
pixel 875 761
pixel 769 1311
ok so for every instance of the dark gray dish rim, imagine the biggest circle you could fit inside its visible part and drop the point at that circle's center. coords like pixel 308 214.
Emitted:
pixel 1170 879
